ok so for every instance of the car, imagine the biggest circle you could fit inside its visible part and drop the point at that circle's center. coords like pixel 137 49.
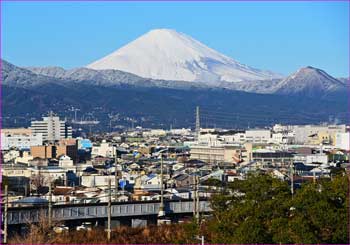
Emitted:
pixel 86 226
pixel 60 229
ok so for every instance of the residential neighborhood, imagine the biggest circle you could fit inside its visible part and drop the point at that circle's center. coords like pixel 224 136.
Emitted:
pixel 136 161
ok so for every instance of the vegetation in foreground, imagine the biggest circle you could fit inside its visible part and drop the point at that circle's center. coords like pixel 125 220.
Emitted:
pixel 259 209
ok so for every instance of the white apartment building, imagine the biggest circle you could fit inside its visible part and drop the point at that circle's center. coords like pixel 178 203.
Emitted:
pixel 277 128
pixel 342 141
pixel 319 158
pixel 239 137
pixel 96 180
pixel 304 133
pixel 65 161
pixel 282 138
pixel 51 128
pixel 104 150
pixel 154 132
pixel 259 136
pixel 217 154
pixel 19 139
pixel 180 131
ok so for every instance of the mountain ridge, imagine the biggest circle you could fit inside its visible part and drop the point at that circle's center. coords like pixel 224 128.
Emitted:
pixel 28 95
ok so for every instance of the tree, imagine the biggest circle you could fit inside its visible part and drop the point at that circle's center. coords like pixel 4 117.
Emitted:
pixel 38 181
pixel 244 214
pixel 320 214
pixel 261 209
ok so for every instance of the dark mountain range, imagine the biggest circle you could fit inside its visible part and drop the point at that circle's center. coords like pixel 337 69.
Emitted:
pixel 31 93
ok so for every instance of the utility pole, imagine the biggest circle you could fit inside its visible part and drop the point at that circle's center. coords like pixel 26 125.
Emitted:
pixel 115 175
pixel 197 198
pixel 200 238
pixel 109 210
pixel 66 180
pixel 25 190
pixel 161 206
pixel 292 179
pixel 50 204
pixel 314 177
pixel 194 197
pixel 5 214
pixel 198 127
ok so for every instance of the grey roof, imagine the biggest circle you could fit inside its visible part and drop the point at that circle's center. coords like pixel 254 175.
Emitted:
pixel 31 200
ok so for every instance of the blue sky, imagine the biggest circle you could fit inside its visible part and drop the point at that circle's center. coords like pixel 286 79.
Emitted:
pixel 278 36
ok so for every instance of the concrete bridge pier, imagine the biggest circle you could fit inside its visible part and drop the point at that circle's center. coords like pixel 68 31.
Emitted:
pixel 138 223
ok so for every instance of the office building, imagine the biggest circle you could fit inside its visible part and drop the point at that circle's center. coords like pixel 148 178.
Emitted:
pixel 19 138
pixel 51 128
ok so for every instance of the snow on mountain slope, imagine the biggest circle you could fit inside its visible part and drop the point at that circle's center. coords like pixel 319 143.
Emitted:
pixel 19 77
pixel 108 78
pixel 170 55
pixel 309 81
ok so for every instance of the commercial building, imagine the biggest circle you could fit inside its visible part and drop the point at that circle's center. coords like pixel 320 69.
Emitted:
pixel 217 154
pixel 273 156
pixel 342 141
pixel 43 151
pixel 51 128
pixel 260 136
pixel 19 138
pixel 316 158
pixel 317 134
pixel 104 149
pixel 55 151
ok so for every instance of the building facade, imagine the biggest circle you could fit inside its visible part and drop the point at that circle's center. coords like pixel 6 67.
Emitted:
pixel 261 136
pixel 19 138
pixel 317 134
pixel 51 128
pixel 342 141
pixel 217 154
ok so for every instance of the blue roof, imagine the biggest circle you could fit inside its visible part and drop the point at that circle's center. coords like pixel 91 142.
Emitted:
pixel 150 176
pixel 34 200
pixel 85 143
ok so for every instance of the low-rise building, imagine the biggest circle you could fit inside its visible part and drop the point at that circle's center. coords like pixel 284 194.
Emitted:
pixel 317 134
pixel 55 151
pixel 316 158
pixel 104 149
pixel 342 141
pixel 19 138
pixel 260 136
pixel 217 154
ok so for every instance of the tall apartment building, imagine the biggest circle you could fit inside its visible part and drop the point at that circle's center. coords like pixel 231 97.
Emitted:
pixel 51 128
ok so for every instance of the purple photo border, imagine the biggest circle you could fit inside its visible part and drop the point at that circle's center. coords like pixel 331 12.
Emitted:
pixel 218 1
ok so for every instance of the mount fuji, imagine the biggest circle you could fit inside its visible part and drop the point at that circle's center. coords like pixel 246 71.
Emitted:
pixel 170 55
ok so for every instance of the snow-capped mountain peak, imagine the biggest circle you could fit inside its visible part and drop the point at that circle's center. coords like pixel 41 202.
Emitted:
pixel 171 55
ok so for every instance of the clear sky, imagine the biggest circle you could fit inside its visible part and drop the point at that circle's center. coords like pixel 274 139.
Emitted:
pixel 278 36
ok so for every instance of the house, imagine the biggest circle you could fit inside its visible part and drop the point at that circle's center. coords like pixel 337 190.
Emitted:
pixel 184 180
